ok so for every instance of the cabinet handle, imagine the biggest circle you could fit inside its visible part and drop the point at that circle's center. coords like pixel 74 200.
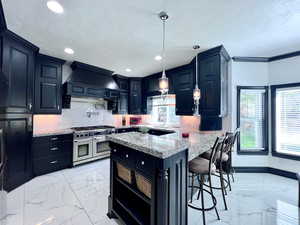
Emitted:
pixel 58 107
pixel 30 106
pixel 127 156
pixel 54 162
pixel 54 139
pixel 54 149
pixel 143 163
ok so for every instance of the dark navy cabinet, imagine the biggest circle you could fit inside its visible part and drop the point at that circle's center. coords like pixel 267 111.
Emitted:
pixel 51 153
pixel 166 202
pixel 184 78
pixel 48 85
pixel 213 83
pixel 123 103
pixel 17 73
pixel 135 96
pixel 122 81
pixel 183 81
pixel 17 129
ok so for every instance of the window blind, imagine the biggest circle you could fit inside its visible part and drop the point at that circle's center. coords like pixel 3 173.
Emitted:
pixel 252 119
pixel 288 120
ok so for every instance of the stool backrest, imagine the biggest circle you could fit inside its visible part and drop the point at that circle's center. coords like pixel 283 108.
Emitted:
pixel 229 139
pixel 218 145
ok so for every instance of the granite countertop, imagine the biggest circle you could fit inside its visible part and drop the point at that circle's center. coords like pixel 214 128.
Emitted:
pixel 167 145
pixel 52 132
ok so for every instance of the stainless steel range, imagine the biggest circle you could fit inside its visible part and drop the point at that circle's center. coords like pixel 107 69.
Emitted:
pixel 90 143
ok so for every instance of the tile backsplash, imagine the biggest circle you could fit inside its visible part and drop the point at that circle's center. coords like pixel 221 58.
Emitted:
pixel 83 112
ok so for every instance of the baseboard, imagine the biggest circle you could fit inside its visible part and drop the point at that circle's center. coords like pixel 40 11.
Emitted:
pixel 274 171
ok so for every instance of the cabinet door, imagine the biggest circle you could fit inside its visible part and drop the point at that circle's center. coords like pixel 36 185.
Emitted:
pixel 135 100
pixel 210 86
pixel 123 103
pixel 17 136
pixel 16 77
pixel 152 85
pixel 183 79
pixel 48 93
pixel 135 103
pixel 184 103
pixel 123 84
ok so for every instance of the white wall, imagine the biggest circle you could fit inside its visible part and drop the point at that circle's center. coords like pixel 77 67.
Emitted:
pixel 247 74
pixel 264 74
pixel 283 72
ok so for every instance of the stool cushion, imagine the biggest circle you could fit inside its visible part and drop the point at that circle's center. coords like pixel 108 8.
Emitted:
pixel 201 166
pixel 225 156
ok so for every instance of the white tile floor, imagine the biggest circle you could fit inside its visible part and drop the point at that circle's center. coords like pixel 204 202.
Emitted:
pixel 78 196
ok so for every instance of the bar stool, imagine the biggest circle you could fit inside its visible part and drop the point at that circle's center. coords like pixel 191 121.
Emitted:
pixel 236 135
pixel 222 159
pixel 201 168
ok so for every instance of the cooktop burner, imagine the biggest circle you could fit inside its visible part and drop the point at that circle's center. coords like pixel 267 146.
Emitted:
pixel 92 128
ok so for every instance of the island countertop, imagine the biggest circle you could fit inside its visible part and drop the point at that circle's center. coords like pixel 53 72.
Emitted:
pixel 167 145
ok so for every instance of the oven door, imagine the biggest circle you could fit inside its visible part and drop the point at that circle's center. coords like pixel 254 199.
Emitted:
pixel 100 146
pixel 83 149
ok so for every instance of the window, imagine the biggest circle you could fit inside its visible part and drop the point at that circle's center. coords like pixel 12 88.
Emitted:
pixel 252 118
pixel 286 120
pixel 163 110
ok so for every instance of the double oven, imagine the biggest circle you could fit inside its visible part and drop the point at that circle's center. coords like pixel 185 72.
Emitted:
pixel 90 144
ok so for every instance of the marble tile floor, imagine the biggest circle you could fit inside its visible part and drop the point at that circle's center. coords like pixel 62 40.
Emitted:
pixel 78 196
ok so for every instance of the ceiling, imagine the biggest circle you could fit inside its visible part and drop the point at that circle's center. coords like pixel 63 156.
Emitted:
pixel 118 34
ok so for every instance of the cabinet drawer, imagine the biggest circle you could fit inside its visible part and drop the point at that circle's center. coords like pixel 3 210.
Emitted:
pixel 63 137
pixel 51 164
pixel 39 151
pixel 145 164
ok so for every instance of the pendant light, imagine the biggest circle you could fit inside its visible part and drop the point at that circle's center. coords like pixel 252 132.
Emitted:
pixel 196 92
pixel 163 81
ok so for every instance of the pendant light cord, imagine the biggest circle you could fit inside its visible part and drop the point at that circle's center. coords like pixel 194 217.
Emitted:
pixel 196 70
pixel 163 45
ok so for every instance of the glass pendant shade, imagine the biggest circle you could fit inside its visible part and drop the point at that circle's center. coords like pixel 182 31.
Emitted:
pixel 163 84
pixel 197 94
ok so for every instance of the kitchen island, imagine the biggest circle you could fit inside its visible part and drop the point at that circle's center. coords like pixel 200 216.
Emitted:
pixel 149 176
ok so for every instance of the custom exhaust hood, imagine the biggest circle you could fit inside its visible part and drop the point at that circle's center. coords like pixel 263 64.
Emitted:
pixel 90 82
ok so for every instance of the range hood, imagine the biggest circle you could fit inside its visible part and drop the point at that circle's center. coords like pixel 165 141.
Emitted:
pixel 89 82
pixel 92 76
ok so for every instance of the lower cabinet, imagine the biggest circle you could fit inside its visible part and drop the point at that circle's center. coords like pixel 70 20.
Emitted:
pixel 17 133
pixel 146 190
pixel 51 153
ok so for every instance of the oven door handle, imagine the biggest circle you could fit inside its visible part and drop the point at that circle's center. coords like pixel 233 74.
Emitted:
pixel 83 140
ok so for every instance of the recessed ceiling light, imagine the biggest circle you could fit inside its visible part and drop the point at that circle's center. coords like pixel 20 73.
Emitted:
pixel 54 6
pixel 69 51
pixel 128 70
pixel 158 58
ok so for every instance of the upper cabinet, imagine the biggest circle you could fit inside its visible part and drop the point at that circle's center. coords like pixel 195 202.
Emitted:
pixel 135 96
pixel 184 78
pixel 17 72
pixel 48 85
pixel 122 81
pixel 183 82
pixel 123 103
pixel 213 83
pixel 151 87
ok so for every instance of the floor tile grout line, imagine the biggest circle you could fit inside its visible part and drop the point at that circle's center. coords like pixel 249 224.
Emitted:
pixel 78 198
